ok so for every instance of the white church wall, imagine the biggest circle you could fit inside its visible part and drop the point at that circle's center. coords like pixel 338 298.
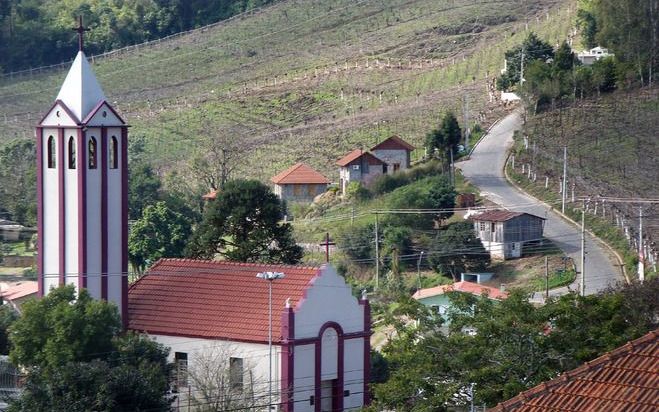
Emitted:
pixel 304 377
pixel 58 117
pixel 329 299
pixel 353 373
pixel 115 246
pixel 50 215
pixel 104 116
pixel 93 224
pixel 255 358
pixel 329 355
pixel 71 210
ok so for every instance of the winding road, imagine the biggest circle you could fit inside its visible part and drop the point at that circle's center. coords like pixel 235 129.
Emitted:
pixel 484 169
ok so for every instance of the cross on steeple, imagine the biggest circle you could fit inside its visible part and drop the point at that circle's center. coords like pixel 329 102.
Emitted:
pixel 327 244
pixel 81 30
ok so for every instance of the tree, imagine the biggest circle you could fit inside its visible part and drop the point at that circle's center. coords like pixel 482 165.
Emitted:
pixel 243 224
pixel 456 249
pixel 223 383
pixel 143 189
pixel 451 131
pixel 76 359
pixel 7 317
pixel 160 232
pixel 18 177
pixel 532 48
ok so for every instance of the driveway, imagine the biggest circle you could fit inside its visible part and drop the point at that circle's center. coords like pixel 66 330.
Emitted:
pixel 485 170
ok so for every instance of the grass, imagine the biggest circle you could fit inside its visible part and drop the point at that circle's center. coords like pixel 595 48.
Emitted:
pixel 317 110
pixel 557 278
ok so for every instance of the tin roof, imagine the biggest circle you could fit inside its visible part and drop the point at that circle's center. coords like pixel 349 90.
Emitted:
pixel 299 173
pixel 213 299
pixel 625 379
pixel 500 215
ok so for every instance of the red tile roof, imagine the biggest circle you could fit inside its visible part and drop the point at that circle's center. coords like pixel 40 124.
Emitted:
pixel 356 154
pixel 466 287
pixel 500 215
pixel 626 379
pixel 213 299
pixel 299 174
pixel 393 142
pixel 20 290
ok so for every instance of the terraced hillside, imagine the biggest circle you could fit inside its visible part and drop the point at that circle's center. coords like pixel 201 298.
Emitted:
pixel 303 80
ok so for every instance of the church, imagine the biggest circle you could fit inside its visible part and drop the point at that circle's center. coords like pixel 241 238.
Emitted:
pixel 295 338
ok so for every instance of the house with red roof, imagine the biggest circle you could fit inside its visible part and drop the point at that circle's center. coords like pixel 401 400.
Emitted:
pixel 17 293
pixel 504 233
pixel 299 183
pixel 359 166
pixel 625 379
pixel 438 297
pixel 395 152
pixel 320 331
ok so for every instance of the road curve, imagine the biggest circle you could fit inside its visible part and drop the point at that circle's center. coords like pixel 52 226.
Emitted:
pixel 485 168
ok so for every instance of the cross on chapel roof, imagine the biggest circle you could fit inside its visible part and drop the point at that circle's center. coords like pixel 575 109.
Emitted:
pixel 81 31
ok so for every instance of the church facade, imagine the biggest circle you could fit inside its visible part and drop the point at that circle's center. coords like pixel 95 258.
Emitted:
pixel 320 335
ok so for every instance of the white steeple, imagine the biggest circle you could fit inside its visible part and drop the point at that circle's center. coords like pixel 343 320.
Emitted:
pixel 80 91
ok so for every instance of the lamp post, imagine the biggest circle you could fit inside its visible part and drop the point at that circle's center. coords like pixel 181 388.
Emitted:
pixel 418 271
pixel 270 276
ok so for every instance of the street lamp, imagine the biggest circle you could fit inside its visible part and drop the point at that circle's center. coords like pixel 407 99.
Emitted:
pixel 418 271
pixel 270 276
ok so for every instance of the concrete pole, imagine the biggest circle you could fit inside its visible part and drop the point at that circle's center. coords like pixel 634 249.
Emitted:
pixel 641 257
pixel 377 253
pixel 583 249
pixel 564 188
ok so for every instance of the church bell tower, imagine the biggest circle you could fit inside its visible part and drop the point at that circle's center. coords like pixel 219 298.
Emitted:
pixel 82 190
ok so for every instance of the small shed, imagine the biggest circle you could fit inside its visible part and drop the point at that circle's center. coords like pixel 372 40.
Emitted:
pixel 504 233
pixel 359 166
pixel 299 183
pixel 395 152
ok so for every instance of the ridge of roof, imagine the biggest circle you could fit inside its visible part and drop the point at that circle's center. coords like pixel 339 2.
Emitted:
pixel 501 215
pixel 396 139
pixel 299 173
pixel 356 154
pixel 574 376
pixel 80 91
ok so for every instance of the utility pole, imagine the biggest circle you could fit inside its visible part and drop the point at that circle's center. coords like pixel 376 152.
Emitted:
pixel 452 168
pixel 546 277
pixel 377 252
pixel 521 69
pixel 641 257
pixel 465 115
pixel 583 249
pixel 564 182
pixel 418 272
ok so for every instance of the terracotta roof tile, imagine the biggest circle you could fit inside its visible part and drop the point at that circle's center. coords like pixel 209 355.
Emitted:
pixel 299 173
pixel 356 154
pixel 213 299
pixel 466 287
pixel 500 215
pixel 393 142
pixel 20 290
pixel 625 379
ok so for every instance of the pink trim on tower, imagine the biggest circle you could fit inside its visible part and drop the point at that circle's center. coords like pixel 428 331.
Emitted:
pixel 66 109
pixel 61 166
pixel 40 234
pixel 337 391
pixel 124 226
pixel 288 360
pixel 82 208
pixel 367 349
pixel 104 213
pixel 96 109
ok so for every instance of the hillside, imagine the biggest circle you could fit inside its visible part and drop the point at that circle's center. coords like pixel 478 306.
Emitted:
pixel 302 80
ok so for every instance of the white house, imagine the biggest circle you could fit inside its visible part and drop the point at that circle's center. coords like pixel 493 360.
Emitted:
pixel 320 332
pixel 504 233
pixel 588 57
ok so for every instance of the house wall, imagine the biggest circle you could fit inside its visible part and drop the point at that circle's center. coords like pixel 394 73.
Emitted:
pixel 441 301
pixel 364 174
pixel 255 361
pixel 300 192
pixel 504 240
pixel 391 157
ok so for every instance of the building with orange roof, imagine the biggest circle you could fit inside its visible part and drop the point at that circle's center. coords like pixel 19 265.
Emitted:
pixel 625 379
pixel 359 166
pixel 299 183
pixel 437 297
pixel 17 293
pixel 320 331
pixel 394 151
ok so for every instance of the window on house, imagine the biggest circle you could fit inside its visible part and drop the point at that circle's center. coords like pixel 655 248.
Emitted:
pixel 51 152
pixel 355 167
pixel 492 227
pixel 236 374
pixel 92 153
pixel 481 226
pixel 181 369
pixel 72 153
pixel 297 190
pixel 113 153
pixel 396 167
pixel 311 190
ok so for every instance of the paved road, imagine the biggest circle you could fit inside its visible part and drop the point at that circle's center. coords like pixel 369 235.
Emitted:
pixel 485 170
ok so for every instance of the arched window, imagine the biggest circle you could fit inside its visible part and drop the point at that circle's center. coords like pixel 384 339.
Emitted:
pixel 113 152
pixel 51 152
pixel 92 153
pixel 72 153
